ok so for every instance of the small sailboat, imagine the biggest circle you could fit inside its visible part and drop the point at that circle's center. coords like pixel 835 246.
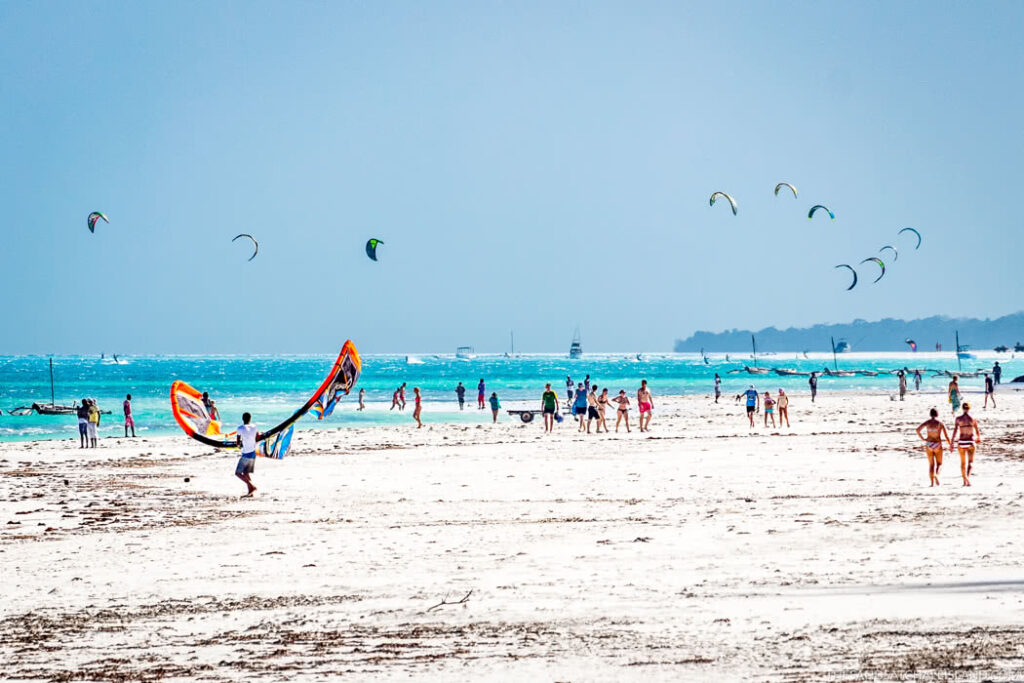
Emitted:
pixel 51 408
pixel 465 353
pixel 576 348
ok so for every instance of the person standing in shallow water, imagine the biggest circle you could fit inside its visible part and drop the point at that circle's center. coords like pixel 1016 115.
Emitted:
pixel 934 430
pixel 362 397
pixel 495 405
pixel 964 430
pixel 481 390
pixel 903 383
pixel 246 436
pixel 417 407
pixel 460 393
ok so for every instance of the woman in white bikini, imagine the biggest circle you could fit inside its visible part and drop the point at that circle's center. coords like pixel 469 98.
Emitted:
pixel 964 431
pixel 934 430
pixel 782 403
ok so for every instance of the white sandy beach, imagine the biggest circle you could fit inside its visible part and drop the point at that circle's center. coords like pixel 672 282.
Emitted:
pixel 702 551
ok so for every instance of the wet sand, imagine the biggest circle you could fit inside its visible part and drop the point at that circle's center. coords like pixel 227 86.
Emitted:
pixel 702 550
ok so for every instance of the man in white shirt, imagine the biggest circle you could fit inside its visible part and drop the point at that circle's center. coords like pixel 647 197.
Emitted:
pixel 247 436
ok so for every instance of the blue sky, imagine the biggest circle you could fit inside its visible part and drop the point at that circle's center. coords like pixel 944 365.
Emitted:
pixel 529 166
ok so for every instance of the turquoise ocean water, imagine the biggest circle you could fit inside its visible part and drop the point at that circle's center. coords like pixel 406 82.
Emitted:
pixel 272 387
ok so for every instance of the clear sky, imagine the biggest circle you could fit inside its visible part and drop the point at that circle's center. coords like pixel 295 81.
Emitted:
pixel 529 166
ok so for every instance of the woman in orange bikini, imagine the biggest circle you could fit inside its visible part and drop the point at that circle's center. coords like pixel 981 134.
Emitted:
pixel 966 427
pixel 934 431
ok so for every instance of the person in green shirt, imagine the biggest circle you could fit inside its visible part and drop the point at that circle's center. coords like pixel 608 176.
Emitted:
pixel 495 405
pixel 549 404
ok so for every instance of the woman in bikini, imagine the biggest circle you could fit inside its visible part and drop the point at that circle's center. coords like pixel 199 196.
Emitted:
pixel 419 407
pixel 602 403
pixel 954 395
pixel 964 430
pixel 782 403
pixel 623 411
pixel 932 437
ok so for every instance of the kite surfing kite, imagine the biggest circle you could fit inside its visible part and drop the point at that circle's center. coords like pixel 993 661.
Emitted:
pixel 895 254
pixel 255 244
pixel 782 185
pixel 916 233
pixel 854 272
pixel 193 416
pixel 810 214
pixel 875 259
pixel 371 248
pixel 93 218
pixel 732 202
pixel 911 343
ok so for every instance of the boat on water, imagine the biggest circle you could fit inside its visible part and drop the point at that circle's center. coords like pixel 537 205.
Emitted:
pixel 788 372
pixel 838 373
pixel 51 408
pixel 576 348
pixel 465 353
pixel 756 370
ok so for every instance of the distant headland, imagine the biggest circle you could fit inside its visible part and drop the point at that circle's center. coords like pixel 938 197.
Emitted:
pixel 888 334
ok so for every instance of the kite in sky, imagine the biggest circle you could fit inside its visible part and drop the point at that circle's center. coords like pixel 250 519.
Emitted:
pixel 916 233
pixel 782 185
pixel 93 218
pixel 255 244
pixel 732 202
pixel 876 260
pixel 810 214
pixel 854 272
pixel 371 248
pixel 895 254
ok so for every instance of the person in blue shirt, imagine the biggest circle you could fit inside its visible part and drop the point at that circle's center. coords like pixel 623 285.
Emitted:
pixel 579 406
pixel 495 405
pixel 753 402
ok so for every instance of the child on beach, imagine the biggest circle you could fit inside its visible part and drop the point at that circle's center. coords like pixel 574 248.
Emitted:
pixel 769 408
pixel 246 437
pixel 495 405
pixel 623 411
pixel 934 431
pixel 964 430
pixel 418 408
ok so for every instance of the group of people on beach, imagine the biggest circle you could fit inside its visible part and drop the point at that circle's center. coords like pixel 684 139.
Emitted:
pixel 588 403
pixel 754 401
pixel 88 422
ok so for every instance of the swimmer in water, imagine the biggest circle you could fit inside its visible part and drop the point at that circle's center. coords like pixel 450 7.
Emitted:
pixel 933 432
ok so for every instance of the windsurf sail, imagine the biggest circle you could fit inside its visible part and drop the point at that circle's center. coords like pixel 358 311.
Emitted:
pixel 194 418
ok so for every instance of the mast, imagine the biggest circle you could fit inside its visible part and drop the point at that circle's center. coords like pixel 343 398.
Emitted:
pixel 959 364
pixel 52 401
pixel 753 345
pixel 835 363
pixel 512 340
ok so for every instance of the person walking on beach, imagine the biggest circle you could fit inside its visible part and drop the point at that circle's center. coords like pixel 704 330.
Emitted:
pixel 990 391
pixel 495 405
pixel 753 402
pixel 586 384
pixel 460 393
pixel 813 382
pixel 953 395
pixel 997 371
pixel 129 422
pixel 83 423
pixel 246 436
pixel 548 405
pixel 395 402
pixel 568 389
pixel 592 412
pixel 964 430
pixel 417 407
pixel 94 420
pixel 783 405
pixel 934 430
pixel 579 407
pixel 623 411
pixel 917 380
pixel 401 396
pixel 645 401
pixel 602 404
pixel 769 408
pixel 362 397
pixel 903 383
pixel 718 387
pixel 480 391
